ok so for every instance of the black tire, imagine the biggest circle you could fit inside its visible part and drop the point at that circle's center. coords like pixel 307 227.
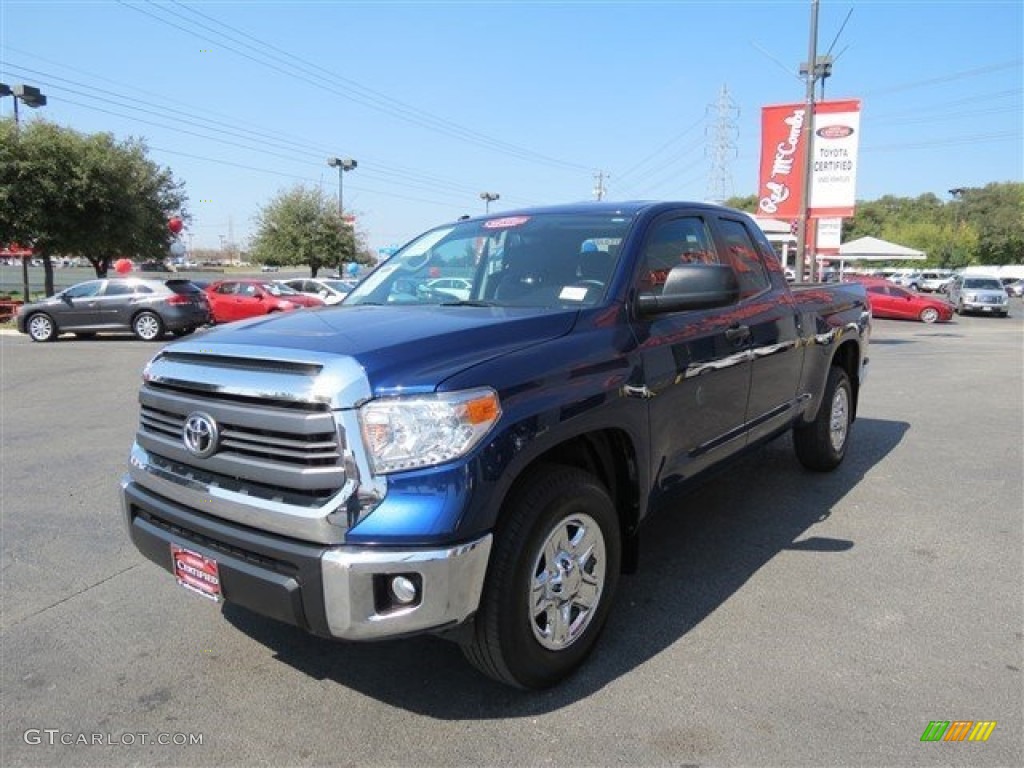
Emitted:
pixel 148 326
pixel 40 327
pixel 929 315
pixel 821 445
pixel 536 587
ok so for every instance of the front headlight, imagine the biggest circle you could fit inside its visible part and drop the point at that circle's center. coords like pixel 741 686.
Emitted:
pixel 418 431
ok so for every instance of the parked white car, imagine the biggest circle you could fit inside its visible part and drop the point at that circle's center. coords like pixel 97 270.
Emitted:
pixel 457 287
pixel 330 290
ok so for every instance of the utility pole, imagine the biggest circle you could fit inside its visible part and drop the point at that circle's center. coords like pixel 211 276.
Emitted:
pixel 808 135
pixel 599 190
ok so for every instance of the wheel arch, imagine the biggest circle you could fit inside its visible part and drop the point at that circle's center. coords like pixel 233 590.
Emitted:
pixel 610 456
pixel 847 357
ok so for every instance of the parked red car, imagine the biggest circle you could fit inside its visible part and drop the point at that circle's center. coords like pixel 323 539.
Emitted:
pixel 891 301
pixel 240 299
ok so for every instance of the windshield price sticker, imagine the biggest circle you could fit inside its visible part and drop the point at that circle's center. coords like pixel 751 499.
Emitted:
pixel 196 573
pixel 505 223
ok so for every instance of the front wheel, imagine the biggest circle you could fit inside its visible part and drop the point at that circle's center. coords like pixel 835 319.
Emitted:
pixel 929 315
pixel 553 574
pixel 821 445
pixel 148 326
pixel 41 328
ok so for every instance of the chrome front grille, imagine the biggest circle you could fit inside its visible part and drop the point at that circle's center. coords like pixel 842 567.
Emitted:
pixel 280 418
pixel 305 450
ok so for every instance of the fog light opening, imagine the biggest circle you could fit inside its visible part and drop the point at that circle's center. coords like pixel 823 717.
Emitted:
pixel 403 590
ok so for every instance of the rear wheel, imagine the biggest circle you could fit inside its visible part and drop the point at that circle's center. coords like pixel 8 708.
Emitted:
pixel 929 315
pixel 551 581
pixel 821 445
pixel 148 326
pixel 41 327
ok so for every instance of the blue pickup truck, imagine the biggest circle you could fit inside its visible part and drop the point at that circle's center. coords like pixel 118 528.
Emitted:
pixel 479 466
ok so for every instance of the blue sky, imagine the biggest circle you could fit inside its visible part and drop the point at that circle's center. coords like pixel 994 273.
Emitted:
pixel 439 102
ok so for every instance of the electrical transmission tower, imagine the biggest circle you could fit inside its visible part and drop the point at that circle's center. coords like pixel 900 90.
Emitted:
pixel 721 134
pixel 599 188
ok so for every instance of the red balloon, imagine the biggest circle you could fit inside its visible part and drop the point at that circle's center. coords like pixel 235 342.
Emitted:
pixel 175 224
pixel 123 266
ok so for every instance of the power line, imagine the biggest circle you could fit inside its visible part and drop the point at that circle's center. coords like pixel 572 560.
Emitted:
pixel 975 139
pixel 1016 63
pixel 355 92
pixel 660 149
pixel 301 153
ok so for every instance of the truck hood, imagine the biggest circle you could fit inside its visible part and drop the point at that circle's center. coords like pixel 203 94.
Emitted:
pixel 407 348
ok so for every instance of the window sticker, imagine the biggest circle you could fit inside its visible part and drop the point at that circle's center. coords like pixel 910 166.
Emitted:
pixel 573 293
pixel 506 222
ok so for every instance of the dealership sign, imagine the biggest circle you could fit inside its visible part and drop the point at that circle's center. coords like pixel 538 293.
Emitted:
pixel 835 135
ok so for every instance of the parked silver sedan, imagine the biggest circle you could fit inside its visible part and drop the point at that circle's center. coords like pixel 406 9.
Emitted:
pixel 147 308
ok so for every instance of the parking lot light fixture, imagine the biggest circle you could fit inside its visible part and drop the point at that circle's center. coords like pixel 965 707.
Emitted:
pixel 26 94
pixel 488 198
pixel 342 164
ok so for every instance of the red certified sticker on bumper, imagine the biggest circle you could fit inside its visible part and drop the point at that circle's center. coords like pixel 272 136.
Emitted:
pixel 196 572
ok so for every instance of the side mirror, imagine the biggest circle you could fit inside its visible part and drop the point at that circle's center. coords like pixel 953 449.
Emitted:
pixel 693 286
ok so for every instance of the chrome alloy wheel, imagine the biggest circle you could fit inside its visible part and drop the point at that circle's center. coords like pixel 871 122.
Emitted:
pixel 568 579
pixel 148 326
pixel 839 419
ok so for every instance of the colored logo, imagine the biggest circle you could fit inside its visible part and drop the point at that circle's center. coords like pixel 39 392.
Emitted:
pixel 835 132
pixel 958 730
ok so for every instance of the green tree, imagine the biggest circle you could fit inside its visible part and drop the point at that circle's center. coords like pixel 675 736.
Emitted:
pixel 92 196
pixel 301 226
pixel 996 213
pixel 748 203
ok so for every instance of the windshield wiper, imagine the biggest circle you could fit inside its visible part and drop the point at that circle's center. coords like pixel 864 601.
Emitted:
pixel 468 303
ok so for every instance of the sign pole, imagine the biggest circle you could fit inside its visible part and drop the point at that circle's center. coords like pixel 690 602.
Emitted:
pixel 808 131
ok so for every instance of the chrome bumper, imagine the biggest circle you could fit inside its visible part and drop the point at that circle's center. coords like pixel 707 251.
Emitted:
pixel 356 581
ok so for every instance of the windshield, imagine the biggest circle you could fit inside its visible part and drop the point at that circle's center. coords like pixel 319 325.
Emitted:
pixel 550 260
pixel 983 284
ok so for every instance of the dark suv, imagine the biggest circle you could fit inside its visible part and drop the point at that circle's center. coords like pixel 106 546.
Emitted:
pixel 147 308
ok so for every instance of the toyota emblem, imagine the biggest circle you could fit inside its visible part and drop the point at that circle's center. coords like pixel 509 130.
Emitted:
pixel 200 435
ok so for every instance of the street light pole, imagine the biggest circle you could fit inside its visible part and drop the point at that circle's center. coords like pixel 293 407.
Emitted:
pixel 488 198
pixel 34 98
pixel 805 222
pixel 342 164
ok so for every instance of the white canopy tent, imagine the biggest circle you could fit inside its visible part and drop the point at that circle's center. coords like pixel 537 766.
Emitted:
pixel 874 249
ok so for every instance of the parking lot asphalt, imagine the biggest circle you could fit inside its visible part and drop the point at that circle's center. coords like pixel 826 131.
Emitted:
pixel 780 617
